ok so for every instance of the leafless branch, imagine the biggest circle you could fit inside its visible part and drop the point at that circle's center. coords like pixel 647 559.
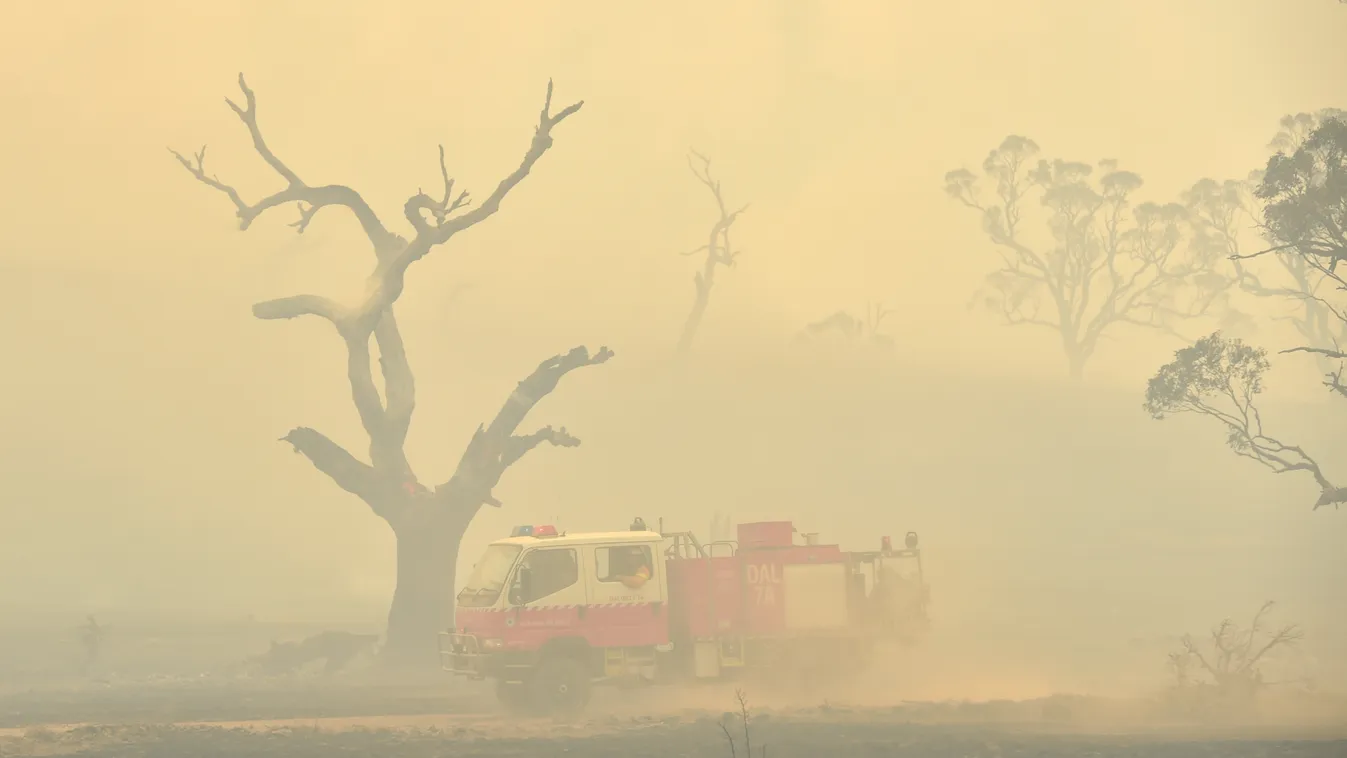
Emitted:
pixel 394 253
pixel 355 477
pixel 309 199
pixel 388 277
pixel 495 447
pixel 1233 656
pixel 729 738
pixel 441 209
pixel 295 306
pixel 522 444
pixel 742 697
pixel 386 420
pixel 1317 350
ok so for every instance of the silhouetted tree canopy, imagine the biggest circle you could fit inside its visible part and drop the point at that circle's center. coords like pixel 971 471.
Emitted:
pixel 1105 259
pixel 1304 219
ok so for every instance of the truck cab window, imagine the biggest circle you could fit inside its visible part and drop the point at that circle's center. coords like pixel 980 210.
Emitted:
pixel 632 565
pixel 544 572
pixel 488 577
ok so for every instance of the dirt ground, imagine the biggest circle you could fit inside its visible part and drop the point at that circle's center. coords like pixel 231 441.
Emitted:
pixel 438 718
pixel 176 691
pixel 781 735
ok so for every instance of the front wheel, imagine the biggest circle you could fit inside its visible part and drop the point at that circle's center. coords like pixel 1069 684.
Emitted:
pixel 512 696
pixel 560 685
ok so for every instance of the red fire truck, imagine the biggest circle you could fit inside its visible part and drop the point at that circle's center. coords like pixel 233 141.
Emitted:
pixel 546 614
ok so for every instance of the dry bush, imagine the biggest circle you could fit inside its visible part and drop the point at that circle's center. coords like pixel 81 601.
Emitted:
pixel 745 716
pixel 1223 674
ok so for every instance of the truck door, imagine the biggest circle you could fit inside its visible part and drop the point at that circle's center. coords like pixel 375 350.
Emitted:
pixel 627 595
pixel 545 596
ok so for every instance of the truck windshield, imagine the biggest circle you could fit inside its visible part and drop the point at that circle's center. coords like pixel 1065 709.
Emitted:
pixel 488 578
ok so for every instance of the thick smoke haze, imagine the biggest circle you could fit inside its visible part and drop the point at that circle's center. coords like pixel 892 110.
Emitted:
pixel 140 469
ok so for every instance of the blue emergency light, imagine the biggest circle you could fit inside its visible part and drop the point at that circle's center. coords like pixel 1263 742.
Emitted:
pixel 534 531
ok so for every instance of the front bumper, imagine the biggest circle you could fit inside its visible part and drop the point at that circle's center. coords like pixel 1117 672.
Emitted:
pixel 462 655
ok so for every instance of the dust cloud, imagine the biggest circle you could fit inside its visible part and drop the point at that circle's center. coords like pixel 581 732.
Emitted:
pixel 1069 539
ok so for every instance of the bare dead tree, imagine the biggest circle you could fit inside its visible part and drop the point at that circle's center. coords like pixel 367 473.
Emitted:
pixel 1220 378
pixel 1106 261
pixel 428 523
pixel 1231 657
pixel 718 251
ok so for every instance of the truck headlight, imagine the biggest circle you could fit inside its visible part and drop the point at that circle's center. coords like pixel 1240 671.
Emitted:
pixel 493 644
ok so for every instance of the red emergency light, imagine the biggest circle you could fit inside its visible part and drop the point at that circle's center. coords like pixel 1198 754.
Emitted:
pixel 534 531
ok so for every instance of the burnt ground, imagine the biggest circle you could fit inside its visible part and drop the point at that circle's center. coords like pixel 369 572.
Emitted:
pixel 297 718
pixel 700 737
pixel 175 692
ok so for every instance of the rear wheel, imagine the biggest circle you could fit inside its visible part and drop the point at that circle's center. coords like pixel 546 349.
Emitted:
pixel 560 685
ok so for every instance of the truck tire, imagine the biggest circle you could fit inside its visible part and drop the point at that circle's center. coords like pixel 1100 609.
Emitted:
pixel 560 685
pixel 512 696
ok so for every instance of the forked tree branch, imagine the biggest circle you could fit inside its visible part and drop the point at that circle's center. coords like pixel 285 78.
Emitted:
pixel 310 199
pixel 395 253
pixel 387 281
pixel 1235 652
pixel 385 420
pixel 350 474
pixel 495 447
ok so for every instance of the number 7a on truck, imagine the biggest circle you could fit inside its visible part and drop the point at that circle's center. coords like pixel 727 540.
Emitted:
pixel 546 615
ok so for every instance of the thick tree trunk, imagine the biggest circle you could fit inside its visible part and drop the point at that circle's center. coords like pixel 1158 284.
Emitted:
pixel 1076 366
pixel 423 603
pixel 1078 352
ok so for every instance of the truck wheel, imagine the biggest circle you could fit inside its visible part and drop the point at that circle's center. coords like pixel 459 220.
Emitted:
pixel 513 696
pixel 560 685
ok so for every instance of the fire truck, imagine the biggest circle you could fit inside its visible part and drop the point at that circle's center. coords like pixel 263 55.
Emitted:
pixel 546 615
